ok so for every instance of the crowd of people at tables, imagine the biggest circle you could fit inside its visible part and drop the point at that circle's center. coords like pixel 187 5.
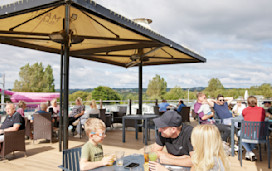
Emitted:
pixel 181 140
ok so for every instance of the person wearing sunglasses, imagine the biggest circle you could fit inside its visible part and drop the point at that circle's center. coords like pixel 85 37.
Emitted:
pixel 221 108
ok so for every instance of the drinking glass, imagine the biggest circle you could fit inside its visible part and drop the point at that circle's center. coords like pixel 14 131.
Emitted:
pixel 119 158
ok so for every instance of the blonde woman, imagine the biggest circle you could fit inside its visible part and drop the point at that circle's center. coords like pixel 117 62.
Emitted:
pixel 77 111
pixel 209 154
pixel 92 113
pixel 54 108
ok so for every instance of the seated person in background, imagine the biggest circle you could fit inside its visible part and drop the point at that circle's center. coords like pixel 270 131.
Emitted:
pixel 13 122
pixel 252 113
pixel 92 152
pixel 176 137
pixel 54 108
pixel 21 108
pixel 208 155
pixel 163 106
pixel 93 113
pixel 224 129
pixel 77 111
pixel 180 105
pixel 206 109
pixel 43 108
pixel 238 108
pixel 221 108
pixel 268 109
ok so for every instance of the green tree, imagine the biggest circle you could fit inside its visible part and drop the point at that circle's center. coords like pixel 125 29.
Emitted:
pixel 214 84
pixel 175 94
pixel 156 87
pixel 264 89
pixel 214 88
pixel 105 93
pixel 34 78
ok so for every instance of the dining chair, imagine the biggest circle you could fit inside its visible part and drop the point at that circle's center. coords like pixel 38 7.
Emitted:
pixel 185 114
pixel 13 141
pixel 117 116
pixel 256 133
pixel 70 159
pixel 42 126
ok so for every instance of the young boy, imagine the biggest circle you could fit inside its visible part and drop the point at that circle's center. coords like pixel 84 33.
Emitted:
pixel 92 152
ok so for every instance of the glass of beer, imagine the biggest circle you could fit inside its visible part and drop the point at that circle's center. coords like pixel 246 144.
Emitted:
pixel 146 153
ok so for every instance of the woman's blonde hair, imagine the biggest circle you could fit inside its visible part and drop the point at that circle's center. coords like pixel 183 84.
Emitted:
pixel 53 101
pixel 93 124
pixel 79 100
pixel 93 104
pixel 208 145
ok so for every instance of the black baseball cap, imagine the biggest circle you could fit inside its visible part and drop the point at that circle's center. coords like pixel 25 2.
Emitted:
pixel 269 102
pixel 168 119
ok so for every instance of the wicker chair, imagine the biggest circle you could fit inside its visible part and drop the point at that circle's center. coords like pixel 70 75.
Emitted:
pixel 13 141
pixel 42 126
pixel 27 127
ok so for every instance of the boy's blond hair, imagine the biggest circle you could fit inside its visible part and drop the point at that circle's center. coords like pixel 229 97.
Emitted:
pixel 93 124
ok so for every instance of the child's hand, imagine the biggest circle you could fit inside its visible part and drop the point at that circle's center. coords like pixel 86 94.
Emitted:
pixel 107 160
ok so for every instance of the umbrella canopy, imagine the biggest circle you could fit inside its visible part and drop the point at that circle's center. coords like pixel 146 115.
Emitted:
pixel 95 33
pixel 84 29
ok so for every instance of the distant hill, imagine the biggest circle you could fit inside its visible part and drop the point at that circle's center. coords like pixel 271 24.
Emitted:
pixel 130 90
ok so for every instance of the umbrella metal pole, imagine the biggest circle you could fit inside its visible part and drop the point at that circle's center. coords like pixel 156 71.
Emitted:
pixel 66 79
pixel 61 103
pixel 140 86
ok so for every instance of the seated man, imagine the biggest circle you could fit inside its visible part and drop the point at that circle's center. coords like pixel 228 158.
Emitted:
pixel 268 109
pixel 180 105
pixel 13 122
pixel 221 107
pixel 176 137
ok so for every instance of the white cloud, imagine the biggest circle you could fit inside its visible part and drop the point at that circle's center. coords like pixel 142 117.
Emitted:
pixel 234 36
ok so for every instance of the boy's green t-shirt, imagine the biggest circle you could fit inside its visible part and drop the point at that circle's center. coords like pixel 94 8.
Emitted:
pixel 91 152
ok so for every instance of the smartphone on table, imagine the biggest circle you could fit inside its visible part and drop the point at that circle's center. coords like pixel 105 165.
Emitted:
pixel 131 165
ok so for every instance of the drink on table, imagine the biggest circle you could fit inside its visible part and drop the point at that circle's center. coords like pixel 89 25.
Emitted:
pixel 153 156
pixel 112 159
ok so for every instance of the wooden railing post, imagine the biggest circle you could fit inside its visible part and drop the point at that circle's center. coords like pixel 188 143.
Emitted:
pixel 101 103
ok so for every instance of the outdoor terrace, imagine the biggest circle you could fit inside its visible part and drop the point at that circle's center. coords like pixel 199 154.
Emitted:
pixel 45 156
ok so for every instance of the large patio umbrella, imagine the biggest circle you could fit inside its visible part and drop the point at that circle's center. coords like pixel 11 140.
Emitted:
pixel 84 29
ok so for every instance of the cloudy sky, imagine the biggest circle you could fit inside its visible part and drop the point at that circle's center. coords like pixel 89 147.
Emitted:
pixel 234 36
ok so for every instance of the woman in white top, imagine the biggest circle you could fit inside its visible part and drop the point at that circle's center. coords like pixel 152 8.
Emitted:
pixel 92 113
pixel 238 108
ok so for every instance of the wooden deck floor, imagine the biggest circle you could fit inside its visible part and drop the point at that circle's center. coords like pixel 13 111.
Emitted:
pixel 44 156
